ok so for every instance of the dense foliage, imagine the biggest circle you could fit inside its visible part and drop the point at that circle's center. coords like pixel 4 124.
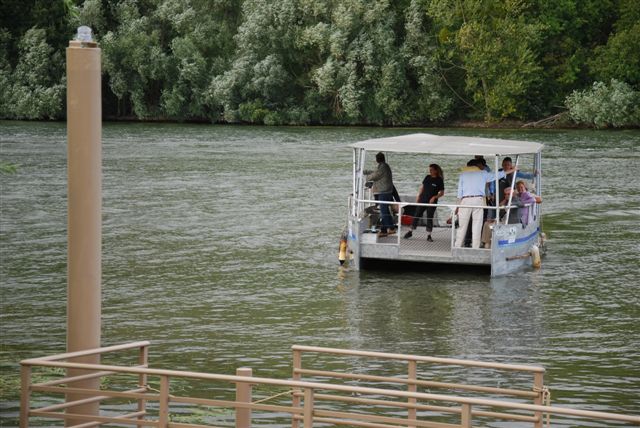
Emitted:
pixel 613 105
pixel 391 62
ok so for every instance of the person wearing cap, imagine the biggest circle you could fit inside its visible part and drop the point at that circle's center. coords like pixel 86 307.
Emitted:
pixel 382 189
pixel 472 185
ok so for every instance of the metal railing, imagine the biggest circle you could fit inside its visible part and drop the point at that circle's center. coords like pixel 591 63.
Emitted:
pixel 362 203
pixel 313 402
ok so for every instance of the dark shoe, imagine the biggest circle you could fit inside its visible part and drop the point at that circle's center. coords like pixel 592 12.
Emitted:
pixel 392 231
pixel 408 235
pixel 429 238
pixel 382 234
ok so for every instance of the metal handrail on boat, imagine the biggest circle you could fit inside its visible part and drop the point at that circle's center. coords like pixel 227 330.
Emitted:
pixel 452 210
pixel 311 409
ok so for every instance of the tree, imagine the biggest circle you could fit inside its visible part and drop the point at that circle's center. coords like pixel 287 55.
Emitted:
pixel 267 71
pixel 363 70
pixel 614 105
pixel 620 57
pixel 495 43
pixel 573 29
pixel 35 91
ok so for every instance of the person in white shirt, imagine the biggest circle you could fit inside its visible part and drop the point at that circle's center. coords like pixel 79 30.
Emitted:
pixel 472 185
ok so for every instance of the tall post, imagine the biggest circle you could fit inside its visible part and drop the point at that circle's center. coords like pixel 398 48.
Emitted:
pixel 84 168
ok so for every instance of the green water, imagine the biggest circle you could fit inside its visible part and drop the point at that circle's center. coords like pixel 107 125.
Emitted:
pixel 220 247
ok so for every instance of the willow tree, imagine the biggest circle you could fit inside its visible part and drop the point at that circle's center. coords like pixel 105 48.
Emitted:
pixel 160 55
pixel 261 76
pixel 431 97
pixel 35 91
pixel 363 69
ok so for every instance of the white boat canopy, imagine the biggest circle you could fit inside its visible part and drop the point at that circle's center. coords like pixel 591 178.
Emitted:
pixel 449 145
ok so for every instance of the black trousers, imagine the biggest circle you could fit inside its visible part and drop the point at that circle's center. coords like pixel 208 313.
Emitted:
pixel 418 215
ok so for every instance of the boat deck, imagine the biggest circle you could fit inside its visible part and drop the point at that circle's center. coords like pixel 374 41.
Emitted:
pixel 418 249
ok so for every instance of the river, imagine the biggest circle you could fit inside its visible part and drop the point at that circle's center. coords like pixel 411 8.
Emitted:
pixel 220 247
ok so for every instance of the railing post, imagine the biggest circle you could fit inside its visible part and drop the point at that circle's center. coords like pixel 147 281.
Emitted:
pixel 308 408
pixel 295 400
pixel 465 417
pixel 538 386
pixel 412 387
pixel 143 360
pixel 163 413
pixel 243 395
pixel 453 228
pixel 25 395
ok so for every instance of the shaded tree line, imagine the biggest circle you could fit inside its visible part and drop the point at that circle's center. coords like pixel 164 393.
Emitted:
pixel 386 62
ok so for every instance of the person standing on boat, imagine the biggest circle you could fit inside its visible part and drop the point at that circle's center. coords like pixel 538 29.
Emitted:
pixel 383 191
pixel 431 189
pixel 472 185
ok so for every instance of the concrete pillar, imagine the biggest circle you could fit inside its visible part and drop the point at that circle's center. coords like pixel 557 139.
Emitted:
pixel 84 168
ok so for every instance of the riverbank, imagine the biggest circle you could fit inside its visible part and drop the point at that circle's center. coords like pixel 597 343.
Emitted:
pixel 560 121
pixel 553 122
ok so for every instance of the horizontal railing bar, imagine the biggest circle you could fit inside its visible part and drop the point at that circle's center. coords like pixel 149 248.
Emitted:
pixel 443 385
pixel 419 358
pixel 357 389
pixel 71 379
pixel 377 402
pixel 74 379
pixel 373 425
pixel 505 416
pixel 132 393
pixel 96 424
pixel 183 425
pixel 84 353
pixel 371 418
pixel 237 404
pixel 104 419
pixel 405 405
pixel 450 206
pixel 74 403
pixel 478 388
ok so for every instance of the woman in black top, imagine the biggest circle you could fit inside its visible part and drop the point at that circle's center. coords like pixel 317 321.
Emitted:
pixel 431 190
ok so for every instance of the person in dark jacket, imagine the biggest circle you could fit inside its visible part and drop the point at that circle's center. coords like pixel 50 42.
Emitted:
pixel 382 189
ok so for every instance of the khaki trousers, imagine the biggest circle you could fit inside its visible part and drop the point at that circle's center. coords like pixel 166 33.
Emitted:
pixel 463 221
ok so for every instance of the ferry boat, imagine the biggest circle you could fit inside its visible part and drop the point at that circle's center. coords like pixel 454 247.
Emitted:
pixel 513 245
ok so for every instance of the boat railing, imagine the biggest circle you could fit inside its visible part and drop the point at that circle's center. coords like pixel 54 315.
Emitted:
pixel 137 395
pixel 512 210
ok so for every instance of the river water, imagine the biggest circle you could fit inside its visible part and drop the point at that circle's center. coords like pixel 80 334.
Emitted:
pixel 220 247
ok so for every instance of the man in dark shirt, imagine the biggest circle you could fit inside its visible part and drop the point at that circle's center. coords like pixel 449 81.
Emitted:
pixel 383 191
